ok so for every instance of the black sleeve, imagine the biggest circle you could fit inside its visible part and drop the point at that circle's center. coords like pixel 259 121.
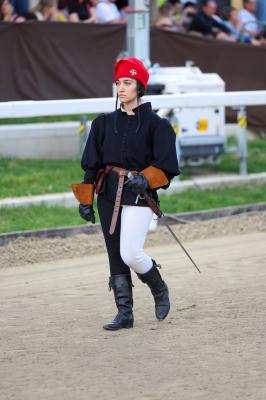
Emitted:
pixel 91 160
pixel 200 25
pixel 220 26
pixel 164 148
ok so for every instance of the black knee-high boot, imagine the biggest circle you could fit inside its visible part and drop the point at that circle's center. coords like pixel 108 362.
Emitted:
pixel 122 288
pixel 159 291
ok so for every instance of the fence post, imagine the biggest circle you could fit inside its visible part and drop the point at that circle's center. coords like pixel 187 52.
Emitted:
pixel 242 139
pixel 83 134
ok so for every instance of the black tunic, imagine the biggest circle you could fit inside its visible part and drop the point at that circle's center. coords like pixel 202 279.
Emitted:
pixel 152 145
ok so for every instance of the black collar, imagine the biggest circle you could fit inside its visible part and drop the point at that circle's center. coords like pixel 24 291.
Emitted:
pixel 142 107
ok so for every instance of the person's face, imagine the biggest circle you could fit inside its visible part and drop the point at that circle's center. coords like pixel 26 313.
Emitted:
pixel 126 89
pixel 49 11
pixel 176 8
pixel 6 7
pixel 251 5
pixel 190 12
pixel 234 17
pixel 210 8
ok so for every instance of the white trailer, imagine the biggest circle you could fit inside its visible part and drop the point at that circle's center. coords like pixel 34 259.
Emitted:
pixel 200 131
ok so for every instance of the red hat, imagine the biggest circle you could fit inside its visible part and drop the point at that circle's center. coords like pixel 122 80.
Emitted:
pixel 131 68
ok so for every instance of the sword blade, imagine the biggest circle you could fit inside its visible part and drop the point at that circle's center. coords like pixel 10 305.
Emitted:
pixel 180 244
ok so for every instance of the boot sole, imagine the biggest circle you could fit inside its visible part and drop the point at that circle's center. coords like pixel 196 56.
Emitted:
pixel 161 319
pixel 110 328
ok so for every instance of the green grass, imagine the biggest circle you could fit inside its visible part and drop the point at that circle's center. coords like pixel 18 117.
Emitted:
pixel 54 118
pixel 30 177
pixel 230 162
pixel 194 200
pixel 39 217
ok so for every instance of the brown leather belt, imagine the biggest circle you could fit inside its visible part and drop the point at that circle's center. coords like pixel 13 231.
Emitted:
pixel 122 173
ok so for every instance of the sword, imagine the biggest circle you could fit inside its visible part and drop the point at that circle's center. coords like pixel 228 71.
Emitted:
pixel 155 208
pixel 180 244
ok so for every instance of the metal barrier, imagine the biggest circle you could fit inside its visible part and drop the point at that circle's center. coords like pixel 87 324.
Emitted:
pixel 237 100
pixel 24 109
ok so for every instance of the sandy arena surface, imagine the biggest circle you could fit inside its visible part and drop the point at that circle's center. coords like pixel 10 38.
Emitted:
pixel 212 346
pixel 30 250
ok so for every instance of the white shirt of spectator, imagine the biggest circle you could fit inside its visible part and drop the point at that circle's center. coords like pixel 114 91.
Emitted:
pixel 106 12
pixel 191 1
pixel 249 20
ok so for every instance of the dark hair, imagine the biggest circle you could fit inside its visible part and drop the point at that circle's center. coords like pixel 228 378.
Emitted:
pixel 140 89
pixel 173 2
pixel 204 3
pixel 1 3
pixel 140 93
pixel 190 4
pixel 226 12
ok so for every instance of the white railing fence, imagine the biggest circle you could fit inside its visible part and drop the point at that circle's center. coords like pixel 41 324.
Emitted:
pixel 24 109
pixel 237 100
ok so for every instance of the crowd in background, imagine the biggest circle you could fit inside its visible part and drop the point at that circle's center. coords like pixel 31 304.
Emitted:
pixel 89 11
pixel 202 17
pixel 226 23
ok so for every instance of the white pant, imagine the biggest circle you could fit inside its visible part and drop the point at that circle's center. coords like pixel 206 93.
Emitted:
pixel 135 222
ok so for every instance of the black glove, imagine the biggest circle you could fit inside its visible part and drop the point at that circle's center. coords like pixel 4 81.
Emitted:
pixel 87 212
pixel 138 184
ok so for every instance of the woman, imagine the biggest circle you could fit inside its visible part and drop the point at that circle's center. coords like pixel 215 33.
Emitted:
pixel 46 10
pixel 7 12
pixel 130 153
pixel 232 21
pixel 81 11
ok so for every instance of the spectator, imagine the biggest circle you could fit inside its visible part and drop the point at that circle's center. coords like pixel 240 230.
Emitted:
pixel 176 6
pixel 263 38
pixel 107 12
pixel 187 15
pixel 81 10
pixel 61 4
pixel 168 14
pixel 206 23
pixel 261 11
pixel 235 25
pixel 46 10
pixel 21 6
pixel 165 18
pixel 62 7
pixel 122 6
pixel 7 12
pixel 232 21
pixel 247 16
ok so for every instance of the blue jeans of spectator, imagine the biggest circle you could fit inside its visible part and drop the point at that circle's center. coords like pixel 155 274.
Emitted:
pixel 21 6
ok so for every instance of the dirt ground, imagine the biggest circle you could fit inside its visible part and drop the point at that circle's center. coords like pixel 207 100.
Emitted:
pixel 30 250
pixel 212 346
